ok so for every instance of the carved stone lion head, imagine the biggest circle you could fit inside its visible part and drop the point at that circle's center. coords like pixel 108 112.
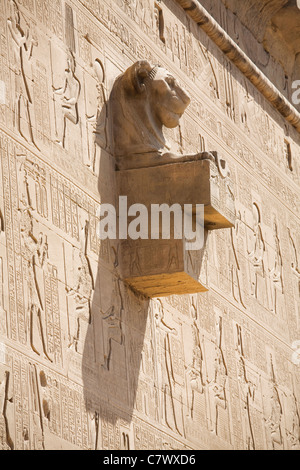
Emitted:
pixel 143 100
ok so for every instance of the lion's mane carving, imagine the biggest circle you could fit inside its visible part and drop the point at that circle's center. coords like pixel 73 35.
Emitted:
pixel 143 100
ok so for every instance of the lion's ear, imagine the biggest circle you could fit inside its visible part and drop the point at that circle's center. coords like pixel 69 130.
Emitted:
pixel 136 75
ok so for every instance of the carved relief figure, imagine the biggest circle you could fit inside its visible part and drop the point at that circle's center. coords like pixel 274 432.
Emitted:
pixel 97 117
pixel 35 252
pixel 256 257
pixel 149 394
pixel 70 92
pixel 41 197
pixel 25 199
pixel 112 324
pixel 236 280
pixel 247 392
pixel 217 386
pixel 295 262
pixel 23 46
pixel 45 396
pixel 293 427
pixel 245 107
pixel 171 404
pixel 36 430
pixel 274 413
pixel 94 427
pixel 83 288
pixel 195 382
pixel 134 261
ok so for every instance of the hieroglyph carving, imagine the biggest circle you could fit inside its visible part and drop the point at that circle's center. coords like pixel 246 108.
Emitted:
pixel 257 257
pixel 235 268
pixel 276 273
pixel 246 390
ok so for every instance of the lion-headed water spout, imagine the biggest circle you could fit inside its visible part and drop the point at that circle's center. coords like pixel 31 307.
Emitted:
pixel 143 100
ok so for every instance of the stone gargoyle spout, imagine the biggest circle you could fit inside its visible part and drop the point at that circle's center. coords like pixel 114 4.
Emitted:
pixel 144 99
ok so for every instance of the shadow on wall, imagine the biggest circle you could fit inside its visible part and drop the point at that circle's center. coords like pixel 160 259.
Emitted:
pixel 115 320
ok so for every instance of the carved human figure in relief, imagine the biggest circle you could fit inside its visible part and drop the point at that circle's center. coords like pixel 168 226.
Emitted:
pixel 35 252
pixel 217 386
pixel 274 418
pixel 256 257
pixel 247 392
pixel 23 46
pixel 170 401
pixel 195 370
pixel 112 324
pixel 236 277
pixel 36 428
pixel 82 289
pixel 276 273
pixel 96 116
pixel 69 92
